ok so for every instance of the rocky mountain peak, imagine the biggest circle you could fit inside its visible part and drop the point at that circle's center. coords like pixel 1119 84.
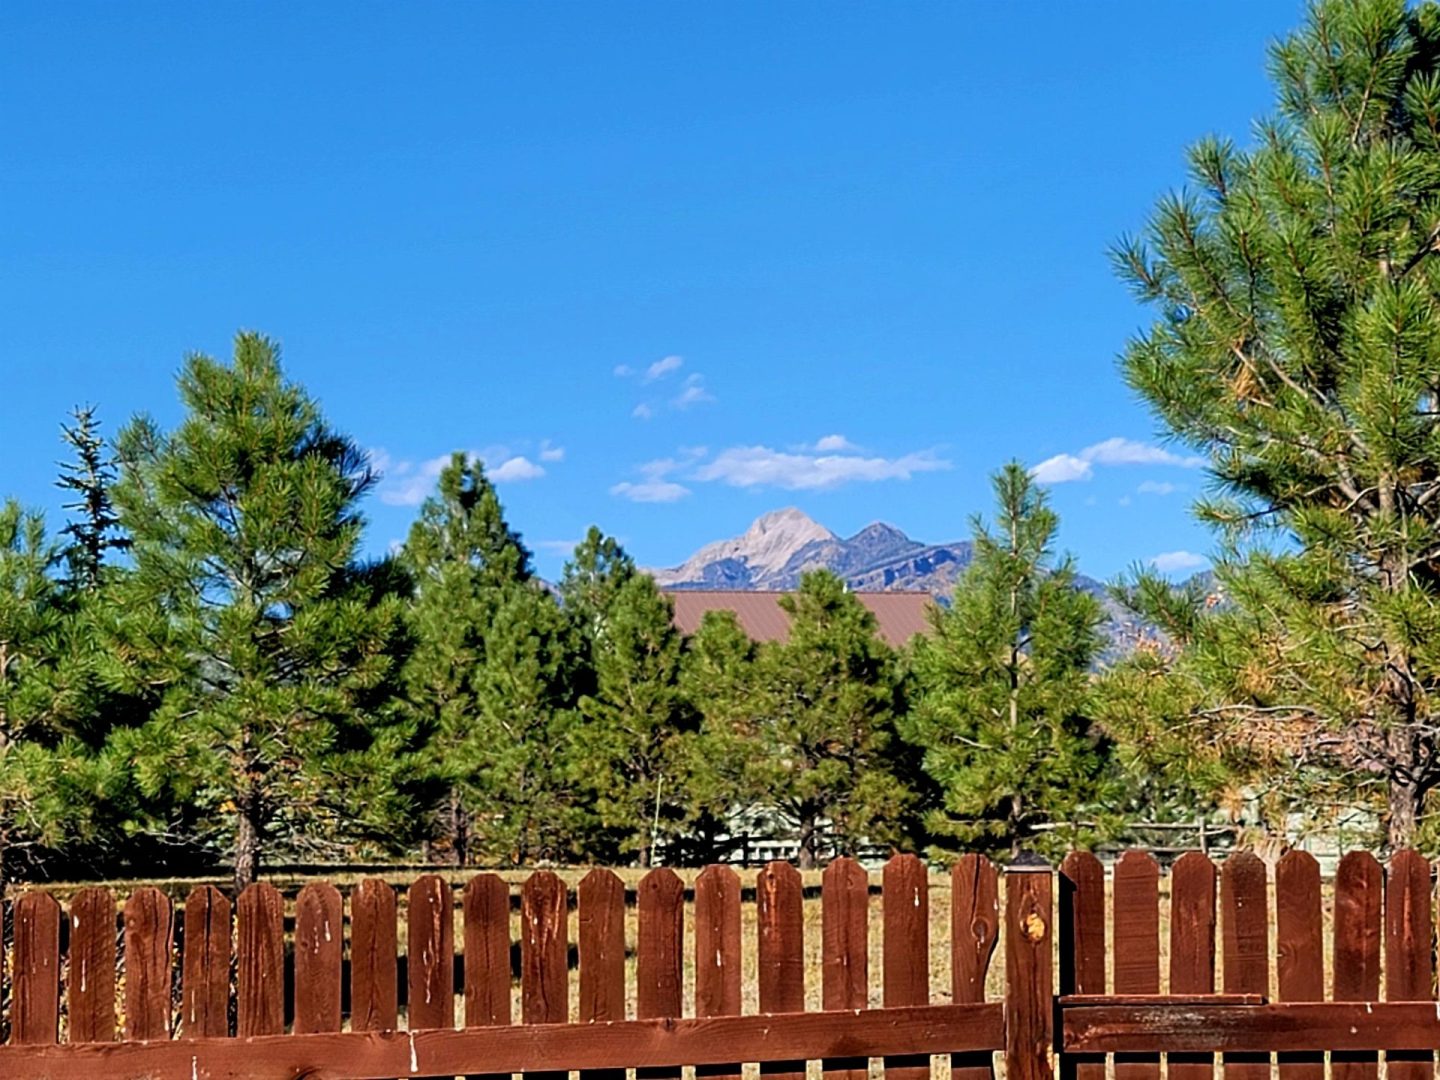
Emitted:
pixel 743 561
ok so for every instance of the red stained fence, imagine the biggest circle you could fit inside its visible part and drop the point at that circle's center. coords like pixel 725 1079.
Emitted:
pixel 321 986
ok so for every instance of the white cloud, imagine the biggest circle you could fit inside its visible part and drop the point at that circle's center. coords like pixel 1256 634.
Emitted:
pixel 650 491
pixel 550 452
pixel 514 469
pixel 756 466
pixel 1158 487
pixel 623 371
pixel 662 367
pixel 834 444
pixel 1063 468
pixel 1171 561
pixel 642 412
pixel 693 394
pixel 558 547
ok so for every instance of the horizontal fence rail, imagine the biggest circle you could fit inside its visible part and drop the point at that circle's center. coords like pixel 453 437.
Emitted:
pixel 1158 972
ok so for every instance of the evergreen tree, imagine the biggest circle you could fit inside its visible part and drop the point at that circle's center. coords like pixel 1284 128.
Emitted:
pixel 629 749
pixel 827 707
pixel 1295 346
pixel 464 559
pixel 90 476
pixel 1003 688
pixel 591 580
pixel 247 603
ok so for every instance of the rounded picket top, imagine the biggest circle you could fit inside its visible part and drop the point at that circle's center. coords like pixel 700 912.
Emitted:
pixel 662 882
pixel 844 869
pixel 1137 862
pixel 1193 864
pixel 778 875
pixel 600 881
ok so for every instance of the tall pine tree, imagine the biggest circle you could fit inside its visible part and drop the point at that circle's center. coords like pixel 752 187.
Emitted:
pixel 1003 685
pixel 1296 289
pixel 248 602
pixel 95 530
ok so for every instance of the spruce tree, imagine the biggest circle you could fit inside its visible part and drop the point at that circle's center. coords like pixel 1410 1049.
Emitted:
pixel 1295 288
pixel 1002 688
pixel 249 605
pixel 90 476
pixel 629 745
pixel 827 707
pixel 465 560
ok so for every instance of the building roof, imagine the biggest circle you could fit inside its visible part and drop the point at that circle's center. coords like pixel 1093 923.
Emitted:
pixel 899 616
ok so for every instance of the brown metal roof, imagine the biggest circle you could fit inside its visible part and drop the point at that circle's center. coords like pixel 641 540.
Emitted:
pixel 899 616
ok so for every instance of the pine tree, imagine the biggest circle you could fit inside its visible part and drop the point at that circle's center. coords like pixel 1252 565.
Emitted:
pixel 1295 288
pixel 464 559
pixel 1003 687
pixel 827 707
pixel 597 572
pixel 247 603
pixel 629 745
pixel 90 476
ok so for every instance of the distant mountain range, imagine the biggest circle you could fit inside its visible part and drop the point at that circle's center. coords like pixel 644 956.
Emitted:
pixel 778 547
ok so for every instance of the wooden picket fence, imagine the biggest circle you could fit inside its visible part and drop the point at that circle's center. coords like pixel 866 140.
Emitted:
pixel 92 991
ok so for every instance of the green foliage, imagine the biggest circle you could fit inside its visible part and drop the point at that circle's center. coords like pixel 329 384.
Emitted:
pixel 275 647
pixel 1295 346
pixel 90 477
pixel 1003 690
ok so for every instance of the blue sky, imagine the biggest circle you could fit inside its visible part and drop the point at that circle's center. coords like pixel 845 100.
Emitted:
pixel 666 266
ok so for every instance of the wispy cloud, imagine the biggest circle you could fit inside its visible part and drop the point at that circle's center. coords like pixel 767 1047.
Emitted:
pixel 662 367
pixel 1158 487
pixel 834 444
pixel 642 412
pixel 763 466
pixel 408 483
pixel 557 547
pixel 1064 468
pixel 694 393
pixel 1171 562
pixel 550 452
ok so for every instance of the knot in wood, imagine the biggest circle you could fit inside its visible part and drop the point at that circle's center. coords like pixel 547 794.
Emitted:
pixel 1033 927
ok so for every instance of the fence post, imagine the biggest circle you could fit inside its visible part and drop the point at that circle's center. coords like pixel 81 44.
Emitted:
pixel 1029 989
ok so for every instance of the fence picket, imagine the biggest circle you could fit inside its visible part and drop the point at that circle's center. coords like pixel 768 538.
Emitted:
pixel 845 959
pixel 1029 975
pixel 149 943
pixel 374 982
pixel 1246 936
pixel 544 980
pixel 974 929
pixel 319 944
pixel 260 961
pixel 35 989
pixel 430 957
pixel 905 950
pixel 205 966
pixel 1192 948
pixel 486 903
pixel 717 953
pixel 1082 946
pixel 1359 890
pixel 658 956
pixel 90 988
pixel 1409 964
pixel 1137 946
pixel 1299 950
pixel 779 899
pixel 600 900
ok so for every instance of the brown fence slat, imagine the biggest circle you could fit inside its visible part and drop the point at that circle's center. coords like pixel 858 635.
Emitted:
pixel 374 981
pixel 430 960
pixel 1409 963
pixel 90 985
pixel 149 950
pixel 779 900
pixel 205 967
pixel 1082 946
pixel 974 930
pixel 260 961
pixel 658 959
pixel 905 949
pixel 35 991
pixel 319 944
pixel 717 953
pixel 845 959
pixel 1246 958
pixel 600 902
pixel 1137 946
pixel 1359 891
pixel 1192 948
pixel 1029 975
pixel 544 938
pixel 642 1043
pixel 1299 950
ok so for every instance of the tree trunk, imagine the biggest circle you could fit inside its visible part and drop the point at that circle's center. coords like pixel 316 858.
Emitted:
pixel 247 842
pixel 808 840
pixel 459 829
